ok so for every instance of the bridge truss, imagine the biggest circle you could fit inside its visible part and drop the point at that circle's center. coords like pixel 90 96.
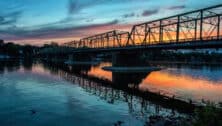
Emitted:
pixel 195 26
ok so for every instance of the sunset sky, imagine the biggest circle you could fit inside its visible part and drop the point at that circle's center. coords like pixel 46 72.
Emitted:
pixel 40 21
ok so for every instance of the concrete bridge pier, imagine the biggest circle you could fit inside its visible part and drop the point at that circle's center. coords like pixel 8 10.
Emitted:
pixel 122 80
pixel 127 59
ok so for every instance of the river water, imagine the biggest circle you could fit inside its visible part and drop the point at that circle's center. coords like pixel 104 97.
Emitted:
pixel 35 93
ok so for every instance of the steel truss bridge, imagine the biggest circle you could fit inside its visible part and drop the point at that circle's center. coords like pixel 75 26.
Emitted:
pixel 200 28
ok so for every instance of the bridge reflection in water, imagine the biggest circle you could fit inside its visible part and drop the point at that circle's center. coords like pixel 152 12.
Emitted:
pixel 177 80
pixel 138 106
pixel 111 91
pixel 185 83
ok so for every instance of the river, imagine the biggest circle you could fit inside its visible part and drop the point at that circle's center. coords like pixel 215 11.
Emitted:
pixel 36 93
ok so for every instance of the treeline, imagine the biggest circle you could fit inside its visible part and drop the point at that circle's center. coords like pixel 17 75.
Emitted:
pixel 17 51
pixel 180 56
pixel 13 50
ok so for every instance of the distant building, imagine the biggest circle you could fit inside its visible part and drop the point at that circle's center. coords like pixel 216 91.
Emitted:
pixel 1 42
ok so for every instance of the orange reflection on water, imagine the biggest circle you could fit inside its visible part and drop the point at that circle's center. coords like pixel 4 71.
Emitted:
pixel 97 71
pixel 184 86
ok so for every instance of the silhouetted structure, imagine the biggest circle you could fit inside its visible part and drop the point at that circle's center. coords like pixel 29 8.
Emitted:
pixel 195 29
pixel 1 42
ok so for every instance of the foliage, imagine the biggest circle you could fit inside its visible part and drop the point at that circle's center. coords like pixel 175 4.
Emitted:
pixel 16 51
pixel 208 116
pixel 184 57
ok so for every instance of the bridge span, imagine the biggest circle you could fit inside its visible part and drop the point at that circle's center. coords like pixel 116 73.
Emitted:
pixel 195 29
pixel 198 29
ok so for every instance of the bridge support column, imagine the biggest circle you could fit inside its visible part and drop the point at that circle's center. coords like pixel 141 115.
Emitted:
pixel 122 80
pixel 126 59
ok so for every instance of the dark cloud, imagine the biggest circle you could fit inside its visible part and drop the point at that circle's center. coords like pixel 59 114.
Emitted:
pixel 10 18
pixel 149 12
pixel 51 32
pixel 177 7
pixel 128 15
pixel 73 6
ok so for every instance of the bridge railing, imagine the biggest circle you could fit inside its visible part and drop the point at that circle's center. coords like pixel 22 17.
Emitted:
pixel 195 25
pixel 198 25
pixel 105 40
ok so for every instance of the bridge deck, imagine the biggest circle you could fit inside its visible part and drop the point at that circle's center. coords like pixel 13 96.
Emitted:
pixel 196 29
pixel 217 44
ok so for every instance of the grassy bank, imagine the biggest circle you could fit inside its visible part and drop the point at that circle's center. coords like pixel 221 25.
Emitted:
pixel 209 115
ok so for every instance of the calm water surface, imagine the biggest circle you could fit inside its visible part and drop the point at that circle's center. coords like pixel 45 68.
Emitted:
pixel 186 82
pixel 58 101
pixel 65 96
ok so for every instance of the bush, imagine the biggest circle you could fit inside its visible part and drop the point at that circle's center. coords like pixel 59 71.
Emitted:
pixel 208 116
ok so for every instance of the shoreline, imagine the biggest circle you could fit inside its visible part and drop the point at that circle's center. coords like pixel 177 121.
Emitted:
pixel 186 63
pixel 82 63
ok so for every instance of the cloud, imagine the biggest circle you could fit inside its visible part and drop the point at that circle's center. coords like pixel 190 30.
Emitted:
pixel 90 20
pixel 149 12
pixel 20 34
pixel 177 7
pixel 74 6
pixel 129 15
pixel 10 18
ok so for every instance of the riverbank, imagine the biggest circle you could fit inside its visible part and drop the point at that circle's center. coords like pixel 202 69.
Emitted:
pixel 209 115
pixel 167 62
pixel 189 57
pixel 81 63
